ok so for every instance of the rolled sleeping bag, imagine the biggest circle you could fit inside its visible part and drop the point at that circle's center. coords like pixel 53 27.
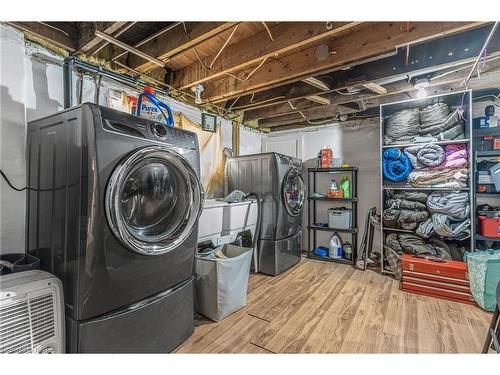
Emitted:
pixel 454 204
pixel 449 228
pixel 428 155
pixel 396 166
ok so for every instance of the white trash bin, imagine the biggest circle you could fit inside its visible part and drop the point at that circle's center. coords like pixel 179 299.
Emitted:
pixel 222 283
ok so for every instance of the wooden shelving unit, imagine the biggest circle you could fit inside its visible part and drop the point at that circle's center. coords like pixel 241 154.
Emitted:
pixel 314 201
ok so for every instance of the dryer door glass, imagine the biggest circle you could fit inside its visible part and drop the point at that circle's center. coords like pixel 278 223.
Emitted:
pixel 293 192
pixel 153 200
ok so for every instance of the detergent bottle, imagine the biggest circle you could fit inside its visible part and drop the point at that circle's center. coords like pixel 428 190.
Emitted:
pixel 345 186
pixel 335 248
pixel 150 107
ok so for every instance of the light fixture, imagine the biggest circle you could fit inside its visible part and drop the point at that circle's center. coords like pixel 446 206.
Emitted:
pixel 198 89
pixel 420 85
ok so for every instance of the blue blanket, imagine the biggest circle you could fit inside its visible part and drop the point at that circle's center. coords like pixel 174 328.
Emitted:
pixel 395 165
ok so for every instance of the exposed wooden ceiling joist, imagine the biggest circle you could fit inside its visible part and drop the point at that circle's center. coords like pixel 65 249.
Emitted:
pixel 396 91
pixel 375 87
pixel 287 36
pixel 318 99
pixel 315 82
pixel 58 37
pixel 305 124
pixel 175 41
pixel 358 45
pixel 87 38
pixel 448 54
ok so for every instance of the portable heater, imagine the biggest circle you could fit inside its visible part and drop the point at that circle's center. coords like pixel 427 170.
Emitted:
pixel 31 313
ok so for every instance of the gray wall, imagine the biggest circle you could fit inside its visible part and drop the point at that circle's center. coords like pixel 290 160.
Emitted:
pixel 356 145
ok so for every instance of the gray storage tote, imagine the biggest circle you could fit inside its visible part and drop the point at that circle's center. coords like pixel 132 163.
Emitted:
pixel 222 283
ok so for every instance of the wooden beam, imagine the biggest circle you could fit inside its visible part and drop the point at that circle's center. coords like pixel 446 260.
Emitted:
pixel 398 91
pixel 345 50
pixel 52 35
pixel 375 87
pixel 315 82
pixel 303 124
pixel 318 99
pixel 251 51
pixel 281 106
pixel 87 38
pixel 176 41
pixel 128 48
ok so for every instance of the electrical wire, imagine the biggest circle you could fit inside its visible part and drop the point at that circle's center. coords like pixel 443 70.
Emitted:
pixel 10 184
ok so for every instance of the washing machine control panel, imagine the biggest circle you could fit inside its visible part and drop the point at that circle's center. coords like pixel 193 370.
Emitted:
pixel 123 123
pixel 172 136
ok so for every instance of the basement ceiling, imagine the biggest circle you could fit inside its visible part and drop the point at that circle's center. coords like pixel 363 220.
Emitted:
pixel 287 75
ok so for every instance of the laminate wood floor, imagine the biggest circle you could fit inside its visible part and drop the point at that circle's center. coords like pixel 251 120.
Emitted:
pixel 323 307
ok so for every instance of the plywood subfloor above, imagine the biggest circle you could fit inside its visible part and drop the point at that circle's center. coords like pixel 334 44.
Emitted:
pixel 321 307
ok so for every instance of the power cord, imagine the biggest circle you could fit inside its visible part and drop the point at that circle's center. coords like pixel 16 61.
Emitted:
pixel 9 183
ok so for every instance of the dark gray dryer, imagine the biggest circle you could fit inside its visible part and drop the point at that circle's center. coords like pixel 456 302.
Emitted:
pixel 113 209
pixel 278 180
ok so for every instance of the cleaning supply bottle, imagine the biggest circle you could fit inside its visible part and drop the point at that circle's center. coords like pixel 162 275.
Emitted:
pixel 150 107
pixel 345 186
pixel 335 248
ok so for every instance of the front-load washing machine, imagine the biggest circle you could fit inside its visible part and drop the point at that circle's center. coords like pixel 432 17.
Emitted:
pixel 113 206
pixel 277 179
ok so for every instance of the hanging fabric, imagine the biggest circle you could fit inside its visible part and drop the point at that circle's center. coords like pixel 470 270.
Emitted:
pixel 211 155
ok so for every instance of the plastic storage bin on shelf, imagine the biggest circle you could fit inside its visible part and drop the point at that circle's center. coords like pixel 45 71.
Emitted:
pixel 339 218
pixel 211 219
pixel 489 227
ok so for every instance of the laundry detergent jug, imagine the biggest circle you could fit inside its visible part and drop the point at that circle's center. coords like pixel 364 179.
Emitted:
pixel 150 107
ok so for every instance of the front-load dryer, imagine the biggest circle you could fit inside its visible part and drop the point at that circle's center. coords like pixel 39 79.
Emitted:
pixel 277 179
pixel 113 207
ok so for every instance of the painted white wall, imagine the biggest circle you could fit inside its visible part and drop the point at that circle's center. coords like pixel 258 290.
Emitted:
pixel 356 145
pixel 250 141
pixel 12 138
pixel 31 83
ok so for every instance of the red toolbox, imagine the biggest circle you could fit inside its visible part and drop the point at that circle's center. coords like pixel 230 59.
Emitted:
pixel 447 280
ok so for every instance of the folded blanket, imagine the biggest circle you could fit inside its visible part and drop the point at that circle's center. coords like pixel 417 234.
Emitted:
pixel 395 165
pixel 402 126
pixel 428 155
pixel 453 204
pixel 451 177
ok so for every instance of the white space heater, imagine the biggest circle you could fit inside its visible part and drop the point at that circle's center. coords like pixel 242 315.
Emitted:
pixel 31 313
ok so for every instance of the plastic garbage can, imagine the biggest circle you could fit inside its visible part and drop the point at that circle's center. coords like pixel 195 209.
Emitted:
pixel 222 283
pixel 18 262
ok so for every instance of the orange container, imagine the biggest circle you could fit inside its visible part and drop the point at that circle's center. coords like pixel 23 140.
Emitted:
pixel 489 227
pixel 326 157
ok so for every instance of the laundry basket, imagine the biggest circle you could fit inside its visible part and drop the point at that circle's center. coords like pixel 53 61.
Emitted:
pixel 222 275
pixel 484 275
pixel 222 283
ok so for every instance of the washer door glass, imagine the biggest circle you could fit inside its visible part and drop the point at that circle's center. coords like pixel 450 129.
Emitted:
pixel 293 192
pixel 153 200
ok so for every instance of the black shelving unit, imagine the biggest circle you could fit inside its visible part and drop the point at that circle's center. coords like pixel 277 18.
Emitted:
pixel 313 226
pixel 482 151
